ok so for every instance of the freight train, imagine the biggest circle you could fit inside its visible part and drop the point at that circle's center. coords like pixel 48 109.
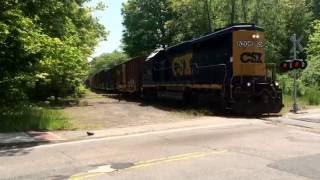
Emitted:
pixel 226 67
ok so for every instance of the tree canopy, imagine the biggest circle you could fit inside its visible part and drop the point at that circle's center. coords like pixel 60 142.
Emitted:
pixel 145 23
pixel 44 46
pixel 312 75
pixel 161 23
pixel 107 61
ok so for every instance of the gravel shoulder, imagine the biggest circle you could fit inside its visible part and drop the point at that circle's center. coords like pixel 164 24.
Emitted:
pixel 101 111
pixel 105 111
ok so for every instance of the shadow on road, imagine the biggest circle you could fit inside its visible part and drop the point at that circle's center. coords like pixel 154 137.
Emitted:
pixel 18 149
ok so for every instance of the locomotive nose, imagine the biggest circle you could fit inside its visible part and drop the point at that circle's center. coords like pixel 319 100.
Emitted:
pixel 265 98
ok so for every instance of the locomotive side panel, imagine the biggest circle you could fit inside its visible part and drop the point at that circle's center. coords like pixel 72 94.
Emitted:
pixel 198 65
pixel 211 63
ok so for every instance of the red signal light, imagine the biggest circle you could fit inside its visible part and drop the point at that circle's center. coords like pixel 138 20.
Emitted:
pixel 296 64
pixel 285 66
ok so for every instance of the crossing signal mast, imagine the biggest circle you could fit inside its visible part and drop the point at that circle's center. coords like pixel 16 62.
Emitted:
pixel 293 66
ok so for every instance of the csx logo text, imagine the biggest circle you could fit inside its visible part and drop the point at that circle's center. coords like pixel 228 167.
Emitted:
pixel 181 65
pixel 251 57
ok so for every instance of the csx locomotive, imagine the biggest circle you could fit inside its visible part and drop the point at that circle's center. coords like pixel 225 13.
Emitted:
pixel 226 68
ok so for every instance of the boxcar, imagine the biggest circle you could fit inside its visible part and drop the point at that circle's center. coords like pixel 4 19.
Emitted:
pixel 132 71
pixel 98 81
pixel 125 78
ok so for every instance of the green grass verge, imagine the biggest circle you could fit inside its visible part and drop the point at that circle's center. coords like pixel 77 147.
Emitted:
pixel 312 97
pixel 310 100
pixel 32 118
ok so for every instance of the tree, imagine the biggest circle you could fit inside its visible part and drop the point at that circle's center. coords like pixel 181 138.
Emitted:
pixel 44 47
pixel 311 76
pixel 107 61
pixel 192 18
pixel 314 6
pixel 145 26
pixel 233 11
pixel 244 5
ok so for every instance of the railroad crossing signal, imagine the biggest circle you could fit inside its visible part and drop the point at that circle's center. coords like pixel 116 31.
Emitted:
pixel 297 47
pixel 294 64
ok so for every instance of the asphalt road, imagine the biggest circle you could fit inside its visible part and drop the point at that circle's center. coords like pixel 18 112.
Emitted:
pixel 259 150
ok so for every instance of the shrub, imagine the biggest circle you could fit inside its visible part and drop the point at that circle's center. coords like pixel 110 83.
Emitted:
pixel 312 96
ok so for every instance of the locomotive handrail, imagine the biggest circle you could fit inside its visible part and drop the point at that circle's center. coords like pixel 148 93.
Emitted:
pixel 193 64
pixel 271 66
pixel 196 65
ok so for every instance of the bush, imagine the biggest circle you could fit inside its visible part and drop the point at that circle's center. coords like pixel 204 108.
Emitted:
pixel 286 84
pixel 309 95
pixel 80 91
pixel 312 96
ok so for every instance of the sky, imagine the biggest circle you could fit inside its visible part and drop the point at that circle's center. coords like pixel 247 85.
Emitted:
pixel 111 18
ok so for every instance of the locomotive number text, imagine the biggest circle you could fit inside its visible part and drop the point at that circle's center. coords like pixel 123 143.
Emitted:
pixel 245 44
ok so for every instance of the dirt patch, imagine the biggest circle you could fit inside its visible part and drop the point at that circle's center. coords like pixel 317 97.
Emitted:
pixel 98 111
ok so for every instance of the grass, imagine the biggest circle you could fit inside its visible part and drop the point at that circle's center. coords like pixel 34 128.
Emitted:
pixel 288 102
pixel 309 100
pixel 32 118
pixel 312 96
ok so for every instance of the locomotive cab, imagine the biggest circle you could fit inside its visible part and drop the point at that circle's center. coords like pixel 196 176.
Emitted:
pixel 252 87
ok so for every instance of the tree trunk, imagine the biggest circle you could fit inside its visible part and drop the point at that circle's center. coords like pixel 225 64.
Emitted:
pixel 256 13
pixel 244 10
pixel 208 9
pixel 233 13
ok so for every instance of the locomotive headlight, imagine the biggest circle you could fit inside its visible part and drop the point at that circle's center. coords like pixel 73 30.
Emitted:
pixel 249 84
pixel 276 83
pixel 255 36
